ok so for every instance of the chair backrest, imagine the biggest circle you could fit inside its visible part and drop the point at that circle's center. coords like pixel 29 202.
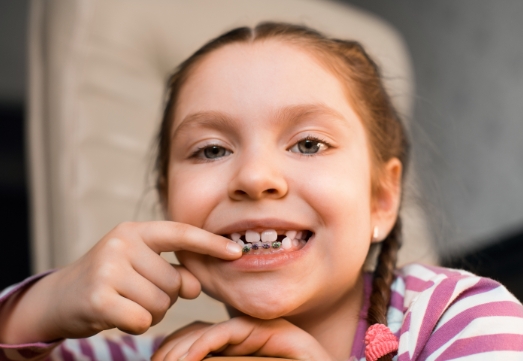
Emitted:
pixel 97 74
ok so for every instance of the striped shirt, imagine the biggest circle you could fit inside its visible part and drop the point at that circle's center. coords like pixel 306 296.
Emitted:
pixel 437 314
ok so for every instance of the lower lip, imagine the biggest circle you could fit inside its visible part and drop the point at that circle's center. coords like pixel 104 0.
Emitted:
pixel 267 262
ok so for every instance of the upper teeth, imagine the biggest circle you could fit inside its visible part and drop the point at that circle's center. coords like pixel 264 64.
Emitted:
pixel 266 236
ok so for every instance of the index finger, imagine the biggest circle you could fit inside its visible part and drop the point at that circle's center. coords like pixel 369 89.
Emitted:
pixel 167 236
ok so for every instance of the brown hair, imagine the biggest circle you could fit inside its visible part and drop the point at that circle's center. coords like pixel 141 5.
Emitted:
pixel 349 61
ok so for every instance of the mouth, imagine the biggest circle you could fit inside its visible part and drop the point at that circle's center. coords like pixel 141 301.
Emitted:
pixel 270 241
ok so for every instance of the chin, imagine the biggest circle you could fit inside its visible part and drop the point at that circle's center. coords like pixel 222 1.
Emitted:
pixel 262 306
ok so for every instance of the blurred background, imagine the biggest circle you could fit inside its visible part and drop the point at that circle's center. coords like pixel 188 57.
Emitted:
pixel 466 127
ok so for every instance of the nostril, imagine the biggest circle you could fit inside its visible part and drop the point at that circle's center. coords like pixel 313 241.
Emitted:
pixel 271 191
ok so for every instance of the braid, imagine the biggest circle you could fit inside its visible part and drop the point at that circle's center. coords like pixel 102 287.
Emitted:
pixel 382 280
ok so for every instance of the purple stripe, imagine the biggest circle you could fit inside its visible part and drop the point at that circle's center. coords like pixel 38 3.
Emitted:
pixel 418 285
pixel 65 353
pixel 406 324
pixel 116 351
pixel 482 286
pixel 396 301
pixel 358 343
pixel 129 341
pixel 437 303
pixel 446 271
pixel 456 325
pixel 479 344
pixel 87 349
pixel 404 356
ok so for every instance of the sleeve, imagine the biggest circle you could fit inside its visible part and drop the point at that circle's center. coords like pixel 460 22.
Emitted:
pixel 96 348
pixel 461 316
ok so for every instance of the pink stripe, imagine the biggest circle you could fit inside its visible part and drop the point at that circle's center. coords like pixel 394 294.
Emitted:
pixel 437 304
pixel 397 300
pixel 116 351
pixel 404 357
pixel 449 272
pixel 482 286
pixel 65 353
pixel 87 349
pixel 479 344
pixel 406 324
pixel 461 320
pixel 358 343
pixel 129 341
pixel 415 284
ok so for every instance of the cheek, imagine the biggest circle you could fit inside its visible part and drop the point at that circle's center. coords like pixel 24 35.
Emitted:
pixel 193 195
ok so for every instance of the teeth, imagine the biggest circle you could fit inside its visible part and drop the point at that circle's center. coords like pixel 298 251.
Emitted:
pixel 286 243
pixel 291 234
pixel 295 243
pixel 269 235
pixel 298 235
pixel 252 237
pixel 240 242
pixel 235 237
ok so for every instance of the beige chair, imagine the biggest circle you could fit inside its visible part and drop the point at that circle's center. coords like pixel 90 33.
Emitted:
pixel 97 74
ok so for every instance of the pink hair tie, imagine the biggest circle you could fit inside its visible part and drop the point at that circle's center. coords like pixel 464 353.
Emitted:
pixel 379 341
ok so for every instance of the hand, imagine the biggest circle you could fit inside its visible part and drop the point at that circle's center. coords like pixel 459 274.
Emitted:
pixel 241 336
pixel 121 282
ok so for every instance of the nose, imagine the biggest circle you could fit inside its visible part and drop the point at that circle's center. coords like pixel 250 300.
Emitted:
pixel 258 177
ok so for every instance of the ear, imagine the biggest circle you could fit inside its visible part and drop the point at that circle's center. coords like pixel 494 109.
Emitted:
pixel 386 200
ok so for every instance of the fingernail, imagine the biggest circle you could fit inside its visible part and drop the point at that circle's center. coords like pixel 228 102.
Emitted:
pixel 234 248
pixel 183 356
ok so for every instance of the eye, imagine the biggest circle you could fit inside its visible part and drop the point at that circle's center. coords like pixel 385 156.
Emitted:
pixel 211 152
pixel 309 145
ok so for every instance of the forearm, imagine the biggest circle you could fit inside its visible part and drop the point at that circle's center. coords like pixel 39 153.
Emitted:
pixel 24 315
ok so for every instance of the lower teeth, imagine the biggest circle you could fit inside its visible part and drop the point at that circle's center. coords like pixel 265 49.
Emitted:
pixel 265 248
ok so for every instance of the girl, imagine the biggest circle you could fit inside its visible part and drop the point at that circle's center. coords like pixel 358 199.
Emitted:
pixel 279 167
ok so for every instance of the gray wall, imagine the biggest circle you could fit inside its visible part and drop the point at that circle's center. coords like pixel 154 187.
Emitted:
pixel 468 120
pixel 13 24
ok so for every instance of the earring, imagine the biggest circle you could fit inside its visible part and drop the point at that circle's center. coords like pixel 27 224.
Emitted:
pixel 376 234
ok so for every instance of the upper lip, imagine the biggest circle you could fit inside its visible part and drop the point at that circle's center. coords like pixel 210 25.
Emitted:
pixel 261 225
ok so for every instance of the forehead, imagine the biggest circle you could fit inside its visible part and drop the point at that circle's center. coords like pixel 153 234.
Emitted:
pixel 257 79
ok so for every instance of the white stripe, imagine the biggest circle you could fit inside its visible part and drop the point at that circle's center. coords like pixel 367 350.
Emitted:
pixel 494 355
pixel 495 295
pixel 419 271
pixel 100 348
pixel 73 346
pixel 7 290
pixel 144 345
pixel 490 325
pixel 394 319
pixel 56 354
pixel 403 345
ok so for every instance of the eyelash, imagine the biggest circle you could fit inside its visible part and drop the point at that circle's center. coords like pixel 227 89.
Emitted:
pixel 197 153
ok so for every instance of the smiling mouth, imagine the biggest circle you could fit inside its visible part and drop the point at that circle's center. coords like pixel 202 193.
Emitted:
pixel 270 241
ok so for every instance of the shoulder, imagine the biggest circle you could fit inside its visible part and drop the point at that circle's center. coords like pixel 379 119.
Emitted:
pixel 452 313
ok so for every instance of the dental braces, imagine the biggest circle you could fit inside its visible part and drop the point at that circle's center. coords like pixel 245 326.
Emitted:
pixel 269 239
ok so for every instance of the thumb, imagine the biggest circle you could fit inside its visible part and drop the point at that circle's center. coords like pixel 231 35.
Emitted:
pixel 190 287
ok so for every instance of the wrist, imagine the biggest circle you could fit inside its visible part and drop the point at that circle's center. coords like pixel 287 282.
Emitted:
pixel 24 314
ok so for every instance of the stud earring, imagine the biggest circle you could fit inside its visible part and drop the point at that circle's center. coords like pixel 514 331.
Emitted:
pixel 376 234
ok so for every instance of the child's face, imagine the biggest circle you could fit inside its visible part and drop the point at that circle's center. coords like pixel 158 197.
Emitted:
pixel 257 104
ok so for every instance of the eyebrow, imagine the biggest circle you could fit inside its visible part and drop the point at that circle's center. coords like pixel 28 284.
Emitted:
pixel 291 114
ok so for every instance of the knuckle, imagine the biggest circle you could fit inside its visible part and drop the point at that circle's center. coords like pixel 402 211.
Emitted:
pixel 115 244
pixel 98 302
